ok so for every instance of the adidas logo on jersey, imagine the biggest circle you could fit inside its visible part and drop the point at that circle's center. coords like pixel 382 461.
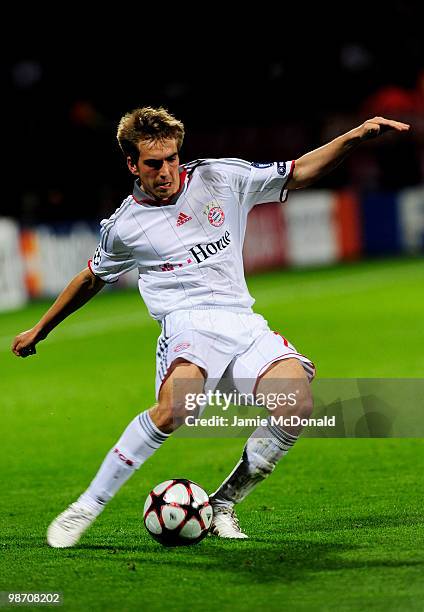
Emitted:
pixel 182 218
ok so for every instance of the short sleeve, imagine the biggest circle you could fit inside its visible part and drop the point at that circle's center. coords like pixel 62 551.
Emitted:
pixel 112 258
pixel 259 183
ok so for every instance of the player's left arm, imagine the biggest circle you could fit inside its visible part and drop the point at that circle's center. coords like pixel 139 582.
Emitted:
pixel 312 166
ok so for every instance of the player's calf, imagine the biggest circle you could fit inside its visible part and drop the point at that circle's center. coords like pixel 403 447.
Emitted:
pixel 284 389
pixel 138 442
pixel 142 437
pixel 268 444
pixel 184 380
pixel 288 415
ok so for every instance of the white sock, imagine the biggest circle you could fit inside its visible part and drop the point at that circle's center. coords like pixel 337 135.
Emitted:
pixel 138 442
pixel 265 447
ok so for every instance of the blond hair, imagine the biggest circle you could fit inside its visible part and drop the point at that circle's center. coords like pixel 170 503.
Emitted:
pixel 149 124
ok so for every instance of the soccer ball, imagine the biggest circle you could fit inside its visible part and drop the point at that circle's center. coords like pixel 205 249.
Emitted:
pixel 177 512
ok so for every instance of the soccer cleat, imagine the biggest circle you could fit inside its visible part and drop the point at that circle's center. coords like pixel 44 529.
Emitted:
pixel 68 527
pixel 225 523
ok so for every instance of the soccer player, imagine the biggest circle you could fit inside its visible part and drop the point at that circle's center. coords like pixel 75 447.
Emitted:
pixel 183 228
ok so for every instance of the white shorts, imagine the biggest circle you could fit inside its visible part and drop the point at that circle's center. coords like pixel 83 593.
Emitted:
pixel 237 344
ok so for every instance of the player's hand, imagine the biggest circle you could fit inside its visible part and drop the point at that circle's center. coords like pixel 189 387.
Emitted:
pixel 24 343
pixel 379 125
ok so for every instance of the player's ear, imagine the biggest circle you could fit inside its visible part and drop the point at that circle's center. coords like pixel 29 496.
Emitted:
pixel 132 166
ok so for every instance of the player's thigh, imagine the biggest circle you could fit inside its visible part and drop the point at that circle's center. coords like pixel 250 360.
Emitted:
pixel 184 380
pixel 285 388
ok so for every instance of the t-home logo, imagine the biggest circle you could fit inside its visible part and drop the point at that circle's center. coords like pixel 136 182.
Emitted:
pixel 201 252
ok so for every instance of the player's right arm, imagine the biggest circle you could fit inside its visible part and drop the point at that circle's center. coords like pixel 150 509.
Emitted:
pixel 111 259
pixel 80 290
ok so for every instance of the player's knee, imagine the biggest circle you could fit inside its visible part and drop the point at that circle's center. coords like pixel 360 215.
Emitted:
pixel 185 380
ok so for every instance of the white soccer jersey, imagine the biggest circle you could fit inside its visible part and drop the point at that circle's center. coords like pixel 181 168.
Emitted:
pixel 189 252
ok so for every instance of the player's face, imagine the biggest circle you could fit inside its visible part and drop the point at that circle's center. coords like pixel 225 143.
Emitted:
pixel 157 167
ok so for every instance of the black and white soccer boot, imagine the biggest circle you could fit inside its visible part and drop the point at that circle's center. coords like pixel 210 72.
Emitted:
pixel 225 523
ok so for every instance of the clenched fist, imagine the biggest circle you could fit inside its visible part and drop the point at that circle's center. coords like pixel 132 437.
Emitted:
pixel 24 343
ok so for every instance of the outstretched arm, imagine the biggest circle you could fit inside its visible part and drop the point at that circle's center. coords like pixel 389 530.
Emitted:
pixel 312 166
pixel 79 291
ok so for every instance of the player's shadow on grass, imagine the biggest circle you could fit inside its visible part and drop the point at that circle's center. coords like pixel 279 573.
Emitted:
pixel 294 561
pixel 278 556
pixel 334 524
pixel 282 562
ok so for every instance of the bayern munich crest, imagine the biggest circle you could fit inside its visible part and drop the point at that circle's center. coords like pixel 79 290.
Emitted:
pixel 215 214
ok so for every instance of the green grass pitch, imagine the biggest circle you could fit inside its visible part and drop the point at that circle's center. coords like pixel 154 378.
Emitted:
pixel 338 526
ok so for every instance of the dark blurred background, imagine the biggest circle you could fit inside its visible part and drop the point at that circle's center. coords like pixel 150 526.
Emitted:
pixel 274 88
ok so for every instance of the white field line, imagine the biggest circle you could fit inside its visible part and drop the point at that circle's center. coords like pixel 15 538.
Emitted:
pixel 84 329
pixel 345 284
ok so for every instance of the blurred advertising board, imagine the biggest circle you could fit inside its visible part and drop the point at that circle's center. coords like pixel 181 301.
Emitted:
pixel 411 219
pixel 13 292
pixel 315 228
pixel 52 256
